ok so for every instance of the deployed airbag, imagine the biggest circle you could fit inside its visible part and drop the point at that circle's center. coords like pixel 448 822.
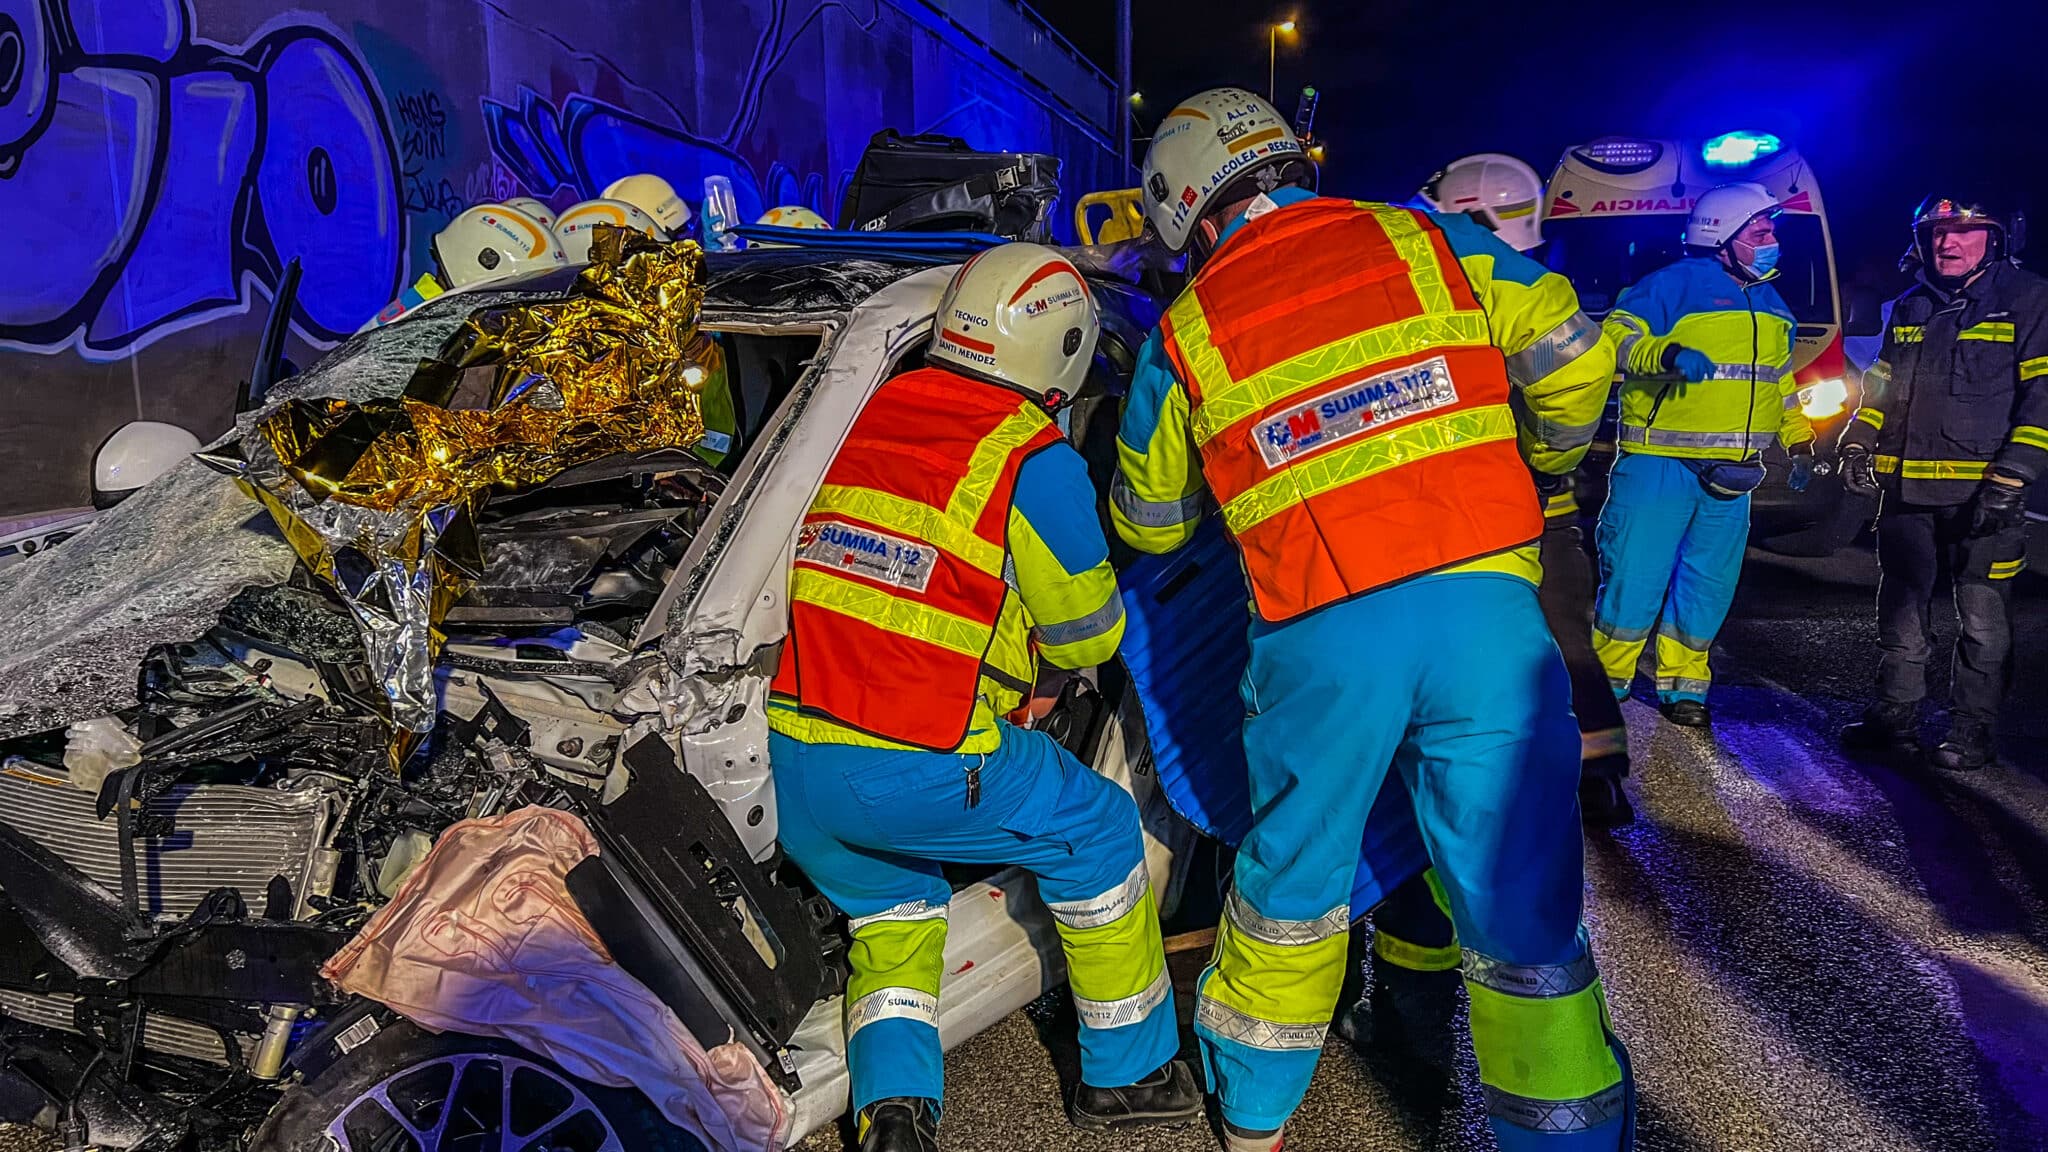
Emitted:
pixel 483 938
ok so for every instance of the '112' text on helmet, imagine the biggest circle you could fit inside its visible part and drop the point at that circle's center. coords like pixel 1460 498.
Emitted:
pixel 1019 315
pixel 1723 211
pixel 575 229
pixel 1213 149
pixel 493 242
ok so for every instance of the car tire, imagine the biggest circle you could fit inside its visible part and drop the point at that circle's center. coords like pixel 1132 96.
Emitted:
pixel 410 1090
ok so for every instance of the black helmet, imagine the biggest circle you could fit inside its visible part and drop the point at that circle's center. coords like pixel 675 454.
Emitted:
pixel 2008 229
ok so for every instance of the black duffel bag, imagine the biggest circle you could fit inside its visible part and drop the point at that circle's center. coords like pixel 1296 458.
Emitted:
pixel 936 183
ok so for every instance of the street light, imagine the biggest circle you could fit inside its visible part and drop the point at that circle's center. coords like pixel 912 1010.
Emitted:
pixel 1273 32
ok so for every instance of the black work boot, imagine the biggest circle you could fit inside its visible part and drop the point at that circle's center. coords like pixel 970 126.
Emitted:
pixel 1886 727
pixel 1602 803
pixel 1406 1032
pixel 1967 748
pixel 900 1124
pixel 1687 713
pixel 1167 1096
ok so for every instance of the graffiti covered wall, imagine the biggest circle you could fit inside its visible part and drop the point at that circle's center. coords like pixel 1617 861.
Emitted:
pixel 161 161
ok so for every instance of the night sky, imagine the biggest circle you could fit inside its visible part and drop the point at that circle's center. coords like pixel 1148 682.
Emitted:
pixel 1888 101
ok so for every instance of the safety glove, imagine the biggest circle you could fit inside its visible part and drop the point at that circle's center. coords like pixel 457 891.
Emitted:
pixel 1691 363
pixel 1802 468
pixel 1859 470
pixel 2000 507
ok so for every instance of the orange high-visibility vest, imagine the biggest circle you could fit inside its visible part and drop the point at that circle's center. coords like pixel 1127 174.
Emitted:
pixel 1348 402
pixel 898 582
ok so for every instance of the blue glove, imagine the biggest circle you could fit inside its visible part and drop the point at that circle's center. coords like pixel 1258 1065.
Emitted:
pixel 1802 471
pixel 1694 364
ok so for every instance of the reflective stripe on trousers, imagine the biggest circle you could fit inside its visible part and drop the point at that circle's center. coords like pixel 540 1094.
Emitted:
pixel 1417 911
pixel 1116 963
pixel 1541 1034
pixel 1670 554
pixel 1272 984
pixel 1458 661
pixel 896 961
pixel 869 825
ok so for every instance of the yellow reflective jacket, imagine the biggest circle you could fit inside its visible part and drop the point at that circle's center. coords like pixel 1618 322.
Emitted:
pixel 1745 329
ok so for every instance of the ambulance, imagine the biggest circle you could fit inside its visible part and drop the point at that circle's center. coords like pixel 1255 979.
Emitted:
pixel 1615 210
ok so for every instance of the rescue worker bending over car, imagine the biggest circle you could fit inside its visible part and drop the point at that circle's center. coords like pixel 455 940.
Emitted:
pixel 1348 374
pixel 1706 347
pixel 1953 429
pixel 953 542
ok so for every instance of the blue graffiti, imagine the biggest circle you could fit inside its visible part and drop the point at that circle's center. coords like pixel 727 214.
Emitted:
pixel 590 143
pixel 154 178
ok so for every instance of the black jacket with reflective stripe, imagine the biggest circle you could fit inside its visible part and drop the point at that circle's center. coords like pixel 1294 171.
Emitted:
pixel 1961 384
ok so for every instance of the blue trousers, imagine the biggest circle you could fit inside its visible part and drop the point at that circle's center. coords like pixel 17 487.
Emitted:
pixel 1667 547
pixel 869 827
pixel 1454 682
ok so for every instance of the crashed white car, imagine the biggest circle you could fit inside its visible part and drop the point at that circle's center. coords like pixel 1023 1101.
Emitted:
pixel 196 809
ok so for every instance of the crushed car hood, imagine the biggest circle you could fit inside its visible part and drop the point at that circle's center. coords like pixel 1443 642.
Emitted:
pixel 158 567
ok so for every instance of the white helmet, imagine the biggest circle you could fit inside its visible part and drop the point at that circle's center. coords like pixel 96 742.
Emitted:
pixel 1499 191
pixel 1022 316
pixel 137 453
pixel 532 207
pixel 1207 145
pixel 492 242
pixel 575 227
pixel 1721 212
pixel 654 196
pixel 793 216
pixel 788 216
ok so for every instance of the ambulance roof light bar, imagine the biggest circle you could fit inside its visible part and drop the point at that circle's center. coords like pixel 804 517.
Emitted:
pixel 1619 154
pixel 1739 149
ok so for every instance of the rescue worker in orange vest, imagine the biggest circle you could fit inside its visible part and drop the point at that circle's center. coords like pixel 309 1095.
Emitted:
pixel 1350 376
pixel 953 543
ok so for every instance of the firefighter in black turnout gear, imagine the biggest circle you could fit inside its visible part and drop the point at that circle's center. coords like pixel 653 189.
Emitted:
pixel 1952 430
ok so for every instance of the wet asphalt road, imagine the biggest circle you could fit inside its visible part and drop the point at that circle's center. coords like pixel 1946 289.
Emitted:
pixel 1802 952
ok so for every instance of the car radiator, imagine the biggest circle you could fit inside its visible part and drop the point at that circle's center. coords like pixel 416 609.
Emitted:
pixel 222 835
pixel 160 1033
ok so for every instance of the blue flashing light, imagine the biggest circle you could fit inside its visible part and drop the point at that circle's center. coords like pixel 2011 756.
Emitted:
pixel 1737 149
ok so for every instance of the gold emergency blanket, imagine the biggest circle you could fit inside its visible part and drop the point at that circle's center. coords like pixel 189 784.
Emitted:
pixel 380 498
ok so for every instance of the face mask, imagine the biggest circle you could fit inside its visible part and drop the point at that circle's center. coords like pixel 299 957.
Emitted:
pixel 1762 259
